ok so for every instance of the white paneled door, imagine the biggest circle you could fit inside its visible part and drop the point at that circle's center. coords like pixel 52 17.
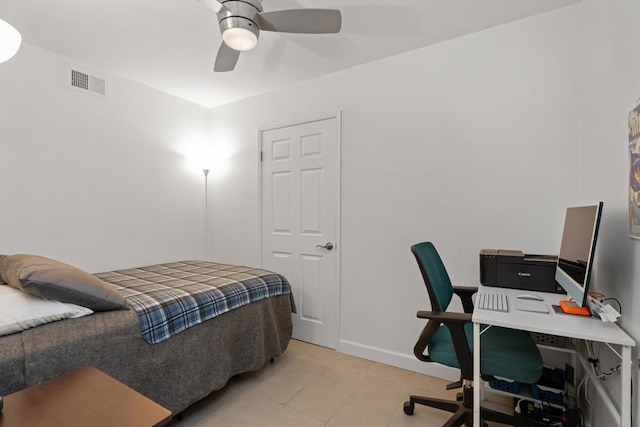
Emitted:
pixel 299 221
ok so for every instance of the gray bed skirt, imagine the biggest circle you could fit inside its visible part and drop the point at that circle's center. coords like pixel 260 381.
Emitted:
pixel 174 373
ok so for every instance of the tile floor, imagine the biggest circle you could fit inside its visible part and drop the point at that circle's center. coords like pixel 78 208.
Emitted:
pixel 311 386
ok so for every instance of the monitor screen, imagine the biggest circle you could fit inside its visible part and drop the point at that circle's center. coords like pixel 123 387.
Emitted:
pixel 577 250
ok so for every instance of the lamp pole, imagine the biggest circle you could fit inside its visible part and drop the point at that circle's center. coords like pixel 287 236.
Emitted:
pixel 206 215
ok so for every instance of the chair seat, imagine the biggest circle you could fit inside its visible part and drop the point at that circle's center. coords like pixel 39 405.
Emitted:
pixel 507 353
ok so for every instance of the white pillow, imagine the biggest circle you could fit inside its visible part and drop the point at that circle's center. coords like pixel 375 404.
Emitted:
pixel 20 310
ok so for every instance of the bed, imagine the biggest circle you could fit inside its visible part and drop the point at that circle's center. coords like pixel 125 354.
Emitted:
pixel 175 362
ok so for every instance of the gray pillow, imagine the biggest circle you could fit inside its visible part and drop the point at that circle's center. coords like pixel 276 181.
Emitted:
pixel 62 282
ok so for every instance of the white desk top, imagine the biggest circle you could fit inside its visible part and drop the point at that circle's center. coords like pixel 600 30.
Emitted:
pixel 567 325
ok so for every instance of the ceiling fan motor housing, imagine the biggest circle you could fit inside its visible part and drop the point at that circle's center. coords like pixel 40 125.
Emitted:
pixel 240 14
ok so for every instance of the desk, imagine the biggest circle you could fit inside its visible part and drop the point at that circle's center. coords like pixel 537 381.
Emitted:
pixel 86 397
pixel 580 327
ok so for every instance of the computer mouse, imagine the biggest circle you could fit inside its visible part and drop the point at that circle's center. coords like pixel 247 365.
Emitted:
pixel 530 297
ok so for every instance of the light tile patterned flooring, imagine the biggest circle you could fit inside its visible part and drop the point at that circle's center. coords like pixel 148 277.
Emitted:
pixel 311 386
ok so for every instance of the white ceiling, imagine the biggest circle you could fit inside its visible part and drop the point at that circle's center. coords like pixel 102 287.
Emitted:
pixel 171 44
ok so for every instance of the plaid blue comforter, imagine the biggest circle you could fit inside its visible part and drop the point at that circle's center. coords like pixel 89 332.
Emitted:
pixel 170 298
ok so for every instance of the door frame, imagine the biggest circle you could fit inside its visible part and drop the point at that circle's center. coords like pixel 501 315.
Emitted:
pixel 338 243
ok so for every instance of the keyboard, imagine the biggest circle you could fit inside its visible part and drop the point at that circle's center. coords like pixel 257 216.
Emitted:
pixel 493 301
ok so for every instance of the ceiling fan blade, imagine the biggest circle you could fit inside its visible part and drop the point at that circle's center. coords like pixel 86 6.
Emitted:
pixel 226 59
pixel 304 21
pixel 214 5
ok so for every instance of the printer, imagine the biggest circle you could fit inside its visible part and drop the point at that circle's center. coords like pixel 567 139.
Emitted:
pixel 517 270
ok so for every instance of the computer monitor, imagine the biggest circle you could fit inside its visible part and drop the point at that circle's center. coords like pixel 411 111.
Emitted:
pixel 577 249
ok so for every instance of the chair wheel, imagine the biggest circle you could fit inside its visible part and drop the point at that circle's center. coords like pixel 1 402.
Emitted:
pixel 459 397
pixel 408 408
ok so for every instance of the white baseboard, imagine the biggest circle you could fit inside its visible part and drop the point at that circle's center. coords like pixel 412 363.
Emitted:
pixel 400 360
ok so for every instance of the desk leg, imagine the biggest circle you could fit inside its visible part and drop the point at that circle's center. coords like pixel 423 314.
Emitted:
pixel 477 383
pixel 625 407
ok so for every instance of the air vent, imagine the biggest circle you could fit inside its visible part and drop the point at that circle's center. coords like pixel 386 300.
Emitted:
pixel 85 82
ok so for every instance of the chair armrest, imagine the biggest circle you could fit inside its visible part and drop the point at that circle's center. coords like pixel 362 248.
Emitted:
pixel 445 316
pixel 465 293
pixel 455 322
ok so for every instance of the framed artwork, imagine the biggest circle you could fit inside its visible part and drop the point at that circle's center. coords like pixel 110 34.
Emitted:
pixel 634 173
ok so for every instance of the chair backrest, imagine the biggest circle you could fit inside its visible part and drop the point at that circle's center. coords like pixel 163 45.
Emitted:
pixel 434 274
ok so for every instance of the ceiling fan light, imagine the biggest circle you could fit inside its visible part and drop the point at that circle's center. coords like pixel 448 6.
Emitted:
pixel 240 38
pixel 10 40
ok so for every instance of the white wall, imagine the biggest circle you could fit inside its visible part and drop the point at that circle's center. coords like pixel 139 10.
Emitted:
pixel 473 143
pixel 611 70
pixel 93 182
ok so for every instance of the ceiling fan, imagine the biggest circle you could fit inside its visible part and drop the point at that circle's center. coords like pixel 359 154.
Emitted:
pixel 241 21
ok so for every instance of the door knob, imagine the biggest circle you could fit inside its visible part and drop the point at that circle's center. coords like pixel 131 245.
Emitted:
pixel 328 246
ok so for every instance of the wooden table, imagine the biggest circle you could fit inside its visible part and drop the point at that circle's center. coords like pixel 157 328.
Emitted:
pixel 86 397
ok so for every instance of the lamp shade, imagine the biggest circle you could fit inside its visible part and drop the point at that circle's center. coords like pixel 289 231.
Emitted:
pixel 10 40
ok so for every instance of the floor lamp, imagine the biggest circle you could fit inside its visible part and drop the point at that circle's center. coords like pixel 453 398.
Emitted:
pixel 207 238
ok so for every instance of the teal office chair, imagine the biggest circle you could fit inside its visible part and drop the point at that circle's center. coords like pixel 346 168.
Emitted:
pixel 448 340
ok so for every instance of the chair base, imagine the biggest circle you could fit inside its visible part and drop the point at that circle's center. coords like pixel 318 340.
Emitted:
pixel 462 410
